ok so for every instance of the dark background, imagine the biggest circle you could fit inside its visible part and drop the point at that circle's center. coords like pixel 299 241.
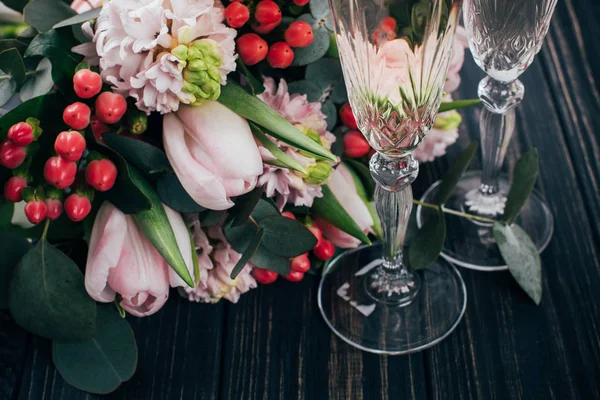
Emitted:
pixel 274 344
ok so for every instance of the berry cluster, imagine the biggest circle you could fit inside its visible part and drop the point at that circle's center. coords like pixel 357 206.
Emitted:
pixel 265 16
pixel 299 265
pixel 355 144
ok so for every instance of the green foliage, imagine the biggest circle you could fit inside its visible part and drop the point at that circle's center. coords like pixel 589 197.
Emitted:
pixel 40 83
pixel 12 247
pixel 17 5
pixel 319 9
pixel 172 193
pixel 99 365
pixel 12 73
pixel 244 205
pixel 284 159
pixel 327 75
pixel 147 158
pixel 43 14
pixel 454 173
pixel 521 257
pixel 47 295
pixel 79 18
pixel 524 177
pixel 256 86
pixel 319 46
pixel 253 246
pixel 427 244
pixel 455 105
pixel 286 237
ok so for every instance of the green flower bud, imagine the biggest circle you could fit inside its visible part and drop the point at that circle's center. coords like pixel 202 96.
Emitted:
pixel 201 75
pixel 319 173
pixel 448 120
pixel 180 52
pixel 138 121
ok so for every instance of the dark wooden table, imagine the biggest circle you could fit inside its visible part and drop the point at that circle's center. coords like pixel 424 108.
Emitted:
pixel 274 344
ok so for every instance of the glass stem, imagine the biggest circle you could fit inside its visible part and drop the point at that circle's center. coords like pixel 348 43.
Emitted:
pixel 496 132
pixel 394 210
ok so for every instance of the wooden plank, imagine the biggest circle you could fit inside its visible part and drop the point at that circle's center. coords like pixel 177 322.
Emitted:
pixel 179 352
pixel 277 346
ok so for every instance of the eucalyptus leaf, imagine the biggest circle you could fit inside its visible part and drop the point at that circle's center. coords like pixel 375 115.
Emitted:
pixel 265 259
pixel 326 74
pixel 12 247
pixel 8 87
pixel 320 11
pixel 312 91
pixel 253 245
pixel 319 45
pixel 44 14
pixel 454 173
pixel 11 63
pixel 47 295
pixel 521 257
pixel 40 83
pixel 286 237
pixel 172 193
pixel 99 365
pixel 149 159
pixel 19 44
pixel 328 108
pixel 264 208
pixel 79 18
pixel 244 205
pixel 455 105
pixel 524 176
pixel 16 5
pixel 210 217
pixel 426 245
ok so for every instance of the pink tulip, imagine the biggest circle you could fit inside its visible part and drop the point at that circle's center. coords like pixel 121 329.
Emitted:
pixel 81 6
pixel 122 260
pixel 213 153
pixel 343 187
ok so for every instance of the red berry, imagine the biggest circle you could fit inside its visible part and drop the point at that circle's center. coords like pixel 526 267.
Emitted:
pixel 13 188
pixel 98 128
pixel 101 174
pixel 263 29
pixel 355 144
pixel 35 211
pixel 300 263
pixel 54 208
pixel 264 276
pixel 237 15
pixel 70 145
pixel 87 83
pixel 11 155
pixel 110 107
pixel 59 172
pixel 324 250
pixel 252 48
pixel 267 12
pixel 315 230
pixel 289 215
pixel 77 207
pixel 300 3
pixel 280 55
pixel 294 276
pixel 347 116
pixel 21 134
pixel 77 116
pixel 299 34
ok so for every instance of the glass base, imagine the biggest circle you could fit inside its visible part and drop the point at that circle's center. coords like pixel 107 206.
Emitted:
pixel 470 243
pixel 347 303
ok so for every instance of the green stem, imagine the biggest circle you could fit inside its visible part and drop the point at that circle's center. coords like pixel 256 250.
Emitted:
pixel 454 212
pixel 45 231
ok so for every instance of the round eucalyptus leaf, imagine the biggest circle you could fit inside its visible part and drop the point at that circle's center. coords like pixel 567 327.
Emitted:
pixel 320 11
pixel 40 83
pixel 328 108
pixel 319 46
pixel 286 237
pixel 100 364
pixel 310 89
pixel 327 74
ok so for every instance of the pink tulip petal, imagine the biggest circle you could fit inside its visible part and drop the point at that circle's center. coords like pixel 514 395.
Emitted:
pixel 336 235
pixel 341 181
pixel 182 236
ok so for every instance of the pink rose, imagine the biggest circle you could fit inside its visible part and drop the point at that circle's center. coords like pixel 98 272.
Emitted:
pixel 122 260
pixel 343 187
pixel 213 153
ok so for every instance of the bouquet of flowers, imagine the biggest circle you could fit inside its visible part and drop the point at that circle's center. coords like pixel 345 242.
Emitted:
pixel 190 144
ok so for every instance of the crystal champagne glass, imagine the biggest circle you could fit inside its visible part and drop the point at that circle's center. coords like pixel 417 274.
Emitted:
pixel 504 37
pixel 394 56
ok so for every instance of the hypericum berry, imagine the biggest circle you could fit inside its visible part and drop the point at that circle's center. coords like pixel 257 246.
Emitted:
pixel 87 83
pixel 300 3
pixel 252 48
pixel 77 116
pixel 280 55
pixel 355 144
pixel 315 230
pixel 21 134
pixel 11 155
pixel 347 116
pixel 35 211
pixel 288 214
pixel 98 128
pixel 299 34
pixel 77 207
pixel 13 188
pixel 70 145
pixel 294 276
pixel 300 263
pixel 110 107
pixel 324 250
pixel 267 12
pixel 264 276
pixel 59 172
pixel 101 174
pixel 237 15
pixel 54 208
pixel 263 29
pixel 389 23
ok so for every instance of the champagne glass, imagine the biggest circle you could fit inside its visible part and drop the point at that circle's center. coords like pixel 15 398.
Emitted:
pixel 394 56
pixel 504 37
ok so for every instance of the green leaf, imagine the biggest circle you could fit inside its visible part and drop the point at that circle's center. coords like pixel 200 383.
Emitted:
pixel 12 247
pixel 210 217
pixel 454 173
pixel 455 105
pixel 244 205
pixel 427 245
pixel 326 73
pixel 45 108
pixel 264 208
pixel 524 177
pixel 287 160
pixel 252 108
pixel 43 14
pixel 286 237
pixel 312 91
pixel 521 257
pixel 8 87
pixel 330 209
pixel 47 295
pixel 319 45
pixel 17 5
pixel 101 364
pixel 265 259
pixel 253 245
pixel 172 193
pixel 320 11
pixel 157 228
pixel 40 83
pixel 79 18
pixel 149 159
pixel 256 86
pixel 11 63
pixel 19 44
